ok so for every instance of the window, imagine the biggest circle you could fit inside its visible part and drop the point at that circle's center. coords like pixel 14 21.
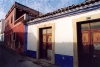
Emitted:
pixel 7 39
pixel 14 36
pixel 11 19
pixel 10 37
pixel 85 26
pixel 7 23
pixel 95 25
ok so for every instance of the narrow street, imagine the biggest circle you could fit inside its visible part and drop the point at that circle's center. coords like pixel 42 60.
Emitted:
pixel 9 58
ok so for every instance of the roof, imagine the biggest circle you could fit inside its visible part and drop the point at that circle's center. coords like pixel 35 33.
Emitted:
pixel 70 7
pixel 24 8
pixel 68 11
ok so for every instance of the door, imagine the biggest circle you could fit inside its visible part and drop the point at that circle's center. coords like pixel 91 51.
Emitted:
pixel 96 48
pixel 85 49
pixel 46 44
pixel 89 45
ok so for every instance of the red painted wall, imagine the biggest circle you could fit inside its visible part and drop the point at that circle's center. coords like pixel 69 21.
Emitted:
pixel 16 25
pixel 19 29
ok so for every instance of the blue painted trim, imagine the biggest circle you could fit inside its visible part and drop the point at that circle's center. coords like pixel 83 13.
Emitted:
pixel 64 60
pixel 75 11
pixel 25 39
pixel 31 53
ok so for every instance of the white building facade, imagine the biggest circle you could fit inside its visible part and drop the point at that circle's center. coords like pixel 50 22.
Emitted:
pixel 2 27
pixel 68 39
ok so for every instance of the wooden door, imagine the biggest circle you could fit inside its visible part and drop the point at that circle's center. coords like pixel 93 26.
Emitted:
pixel 46 46
pixel 85 53
pixel 96 48
pixel 89 45
pixel 49 44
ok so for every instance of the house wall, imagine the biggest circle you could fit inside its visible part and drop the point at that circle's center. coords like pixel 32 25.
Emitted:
pixel 19 30
pixel 2 37
pixel 65 48
pixel 2 27
pixel 16 26
pixel 8 24
pixel 0 31
pixel 15 20
pixel 63 40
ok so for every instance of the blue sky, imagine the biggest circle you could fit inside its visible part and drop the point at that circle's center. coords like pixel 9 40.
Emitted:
pixel 44 6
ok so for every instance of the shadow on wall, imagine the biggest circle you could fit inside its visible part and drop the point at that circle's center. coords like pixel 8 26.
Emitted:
pixel 16 42
pixel 63 51
pixel 30 45
pixel 64 54
pixel 14 37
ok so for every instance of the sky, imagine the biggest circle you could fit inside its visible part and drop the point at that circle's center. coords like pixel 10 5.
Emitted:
pixel 43 6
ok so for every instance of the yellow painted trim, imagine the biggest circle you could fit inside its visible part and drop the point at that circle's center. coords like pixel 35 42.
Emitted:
pixel 53 40
pixel 74 23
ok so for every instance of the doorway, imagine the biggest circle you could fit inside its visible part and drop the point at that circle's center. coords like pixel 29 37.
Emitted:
pixel 88 44
pixel 45 44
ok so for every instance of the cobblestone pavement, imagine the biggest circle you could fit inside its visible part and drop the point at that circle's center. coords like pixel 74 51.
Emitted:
pixel 10 58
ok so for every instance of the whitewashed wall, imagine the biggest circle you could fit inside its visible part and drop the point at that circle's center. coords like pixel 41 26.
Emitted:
pixel 32 37
pixel 0 31
pixel 63 34
pixel 2 27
